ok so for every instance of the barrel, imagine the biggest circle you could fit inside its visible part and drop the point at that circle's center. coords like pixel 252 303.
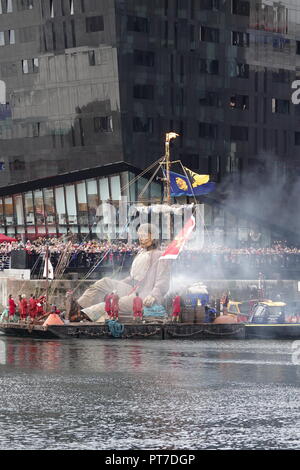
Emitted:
pixel 199 314
pixel 188 314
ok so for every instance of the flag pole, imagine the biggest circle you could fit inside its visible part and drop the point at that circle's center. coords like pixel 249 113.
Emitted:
pixel 169 137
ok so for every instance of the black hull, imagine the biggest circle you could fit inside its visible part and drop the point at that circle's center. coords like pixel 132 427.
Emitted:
pixel 285 331
pixel 204 331
pixel 182 331
pixel 26 331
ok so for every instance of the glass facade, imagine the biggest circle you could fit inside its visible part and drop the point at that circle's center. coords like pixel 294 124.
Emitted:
pixel 58 210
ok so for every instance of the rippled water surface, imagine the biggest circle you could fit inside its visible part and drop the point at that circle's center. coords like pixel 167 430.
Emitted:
pixel 91 394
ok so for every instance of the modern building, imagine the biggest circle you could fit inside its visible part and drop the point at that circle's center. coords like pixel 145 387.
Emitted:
pixel 88 89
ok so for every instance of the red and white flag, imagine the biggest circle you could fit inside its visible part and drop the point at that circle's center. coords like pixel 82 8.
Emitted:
pixel 177 244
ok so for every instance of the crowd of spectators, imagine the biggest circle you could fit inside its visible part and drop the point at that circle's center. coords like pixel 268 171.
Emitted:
pixel 244 261
pixel 85 254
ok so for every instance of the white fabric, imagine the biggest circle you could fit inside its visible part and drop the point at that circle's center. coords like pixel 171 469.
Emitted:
pixel 140 265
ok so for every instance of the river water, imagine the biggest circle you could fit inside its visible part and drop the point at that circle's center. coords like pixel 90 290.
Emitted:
pixel 120 394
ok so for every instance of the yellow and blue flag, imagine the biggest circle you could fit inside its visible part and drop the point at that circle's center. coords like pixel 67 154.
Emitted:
pixel 191 185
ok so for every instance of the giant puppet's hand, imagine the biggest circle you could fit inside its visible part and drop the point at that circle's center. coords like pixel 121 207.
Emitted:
pixel 149 301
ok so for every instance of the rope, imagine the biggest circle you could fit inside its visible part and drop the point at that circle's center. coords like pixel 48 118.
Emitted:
pixel 116 329
pixel 203 330
pixel 144 335
pixel 124 188
pixel 149 182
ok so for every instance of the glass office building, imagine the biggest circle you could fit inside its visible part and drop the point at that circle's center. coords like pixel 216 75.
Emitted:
pixel 88 89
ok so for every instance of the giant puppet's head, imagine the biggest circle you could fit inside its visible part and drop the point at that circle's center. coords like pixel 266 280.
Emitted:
pixel 148 236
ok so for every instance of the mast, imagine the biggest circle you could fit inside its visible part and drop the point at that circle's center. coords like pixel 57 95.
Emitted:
pixel 47 274
pixel 167 162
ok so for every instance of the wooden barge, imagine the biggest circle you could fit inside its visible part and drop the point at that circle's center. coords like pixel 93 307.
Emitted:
pixel 183 331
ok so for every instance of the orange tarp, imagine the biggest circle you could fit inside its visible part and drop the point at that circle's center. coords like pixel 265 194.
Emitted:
pixel 53 319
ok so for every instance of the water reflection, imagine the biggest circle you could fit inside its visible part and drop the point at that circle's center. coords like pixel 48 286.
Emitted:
pixel 148 394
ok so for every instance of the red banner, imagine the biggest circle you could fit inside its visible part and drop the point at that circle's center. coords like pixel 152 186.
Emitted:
pixel 177 244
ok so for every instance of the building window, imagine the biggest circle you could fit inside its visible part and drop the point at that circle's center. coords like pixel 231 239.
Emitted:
pixel 210 98
pixel 145 92
pixel 36 127
pixel 281 44
pixel 25 5
pixel 92 58
pixel 11 36
pixel 208 130
pixel 39 207
pixel 82 207
pixel 280 106
pixel 143 124
pixel 30 66
pixel 238 133
pixel 238 70
pixel 7 7
pixel 60 206
pixel 25 66
pixel 281 76
pixel 94 24
pixel 71 204
pixel 35 65
pixel 103 124
pixel 241 7
pixel 93 200
pixel 137 24
pixel 239 102
pixel 145 58
pixel 210 67
pixel 240 39
pixel 297 138
pixel 209 34
pixel 7 37
pixel 210 5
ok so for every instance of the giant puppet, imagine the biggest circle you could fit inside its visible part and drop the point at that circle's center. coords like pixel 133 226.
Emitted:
pixel 149 275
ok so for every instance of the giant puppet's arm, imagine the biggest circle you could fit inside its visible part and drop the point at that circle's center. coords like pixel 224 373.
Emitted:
pixel 161 284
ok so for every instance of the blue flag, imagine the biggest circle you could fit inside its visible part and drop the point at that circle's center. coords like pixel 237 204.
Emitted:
pixel 182 186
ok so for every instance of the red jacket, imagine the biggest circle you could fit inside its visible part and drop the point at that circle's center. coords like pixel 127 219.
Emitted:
pixel 115 303
pixel 12 306
pixel 33 306
pixel 176 304
pixel 23 307
pixel 108 303
pixel 137 305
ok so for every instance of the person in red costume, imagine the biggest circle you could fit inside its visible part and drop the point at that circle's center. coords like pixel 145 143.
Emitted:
pixel 176 308
pixel 40 306
pixel 33 308
pixel 108 307
pixel 115 306
pixel 23 307
pixel 137 307
pixel 11 307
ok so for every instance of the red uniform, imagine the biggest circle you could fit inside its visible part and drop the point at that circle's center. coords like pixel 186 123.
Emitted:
pixel 108 307
pixel 176 307
pixel 137 307
pixel 33 309
pixel 39 305
pixel 23 309
pixel 12 307
pixel 115 306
